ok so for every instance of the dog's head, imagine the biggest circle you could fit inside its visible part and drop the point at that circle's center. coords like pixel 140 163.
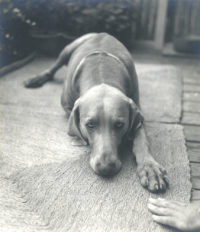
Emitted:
pixel 102 117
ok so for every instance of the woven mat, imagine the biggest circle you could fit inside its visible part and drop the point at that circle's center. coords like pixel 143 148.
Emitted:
pixel 46 183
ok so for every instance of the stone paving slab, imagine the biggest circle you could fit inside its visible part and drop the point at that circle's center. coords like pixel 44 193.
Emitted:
pixel 160 92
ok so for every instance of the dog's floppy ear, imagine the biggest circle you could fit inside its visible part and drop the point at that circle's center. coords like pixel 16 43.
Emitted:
pixel 135 119
pixel 74 122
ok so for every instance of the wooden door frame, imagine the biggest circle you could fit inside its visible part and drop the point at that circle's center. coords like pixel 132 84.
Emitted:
pixel 161 20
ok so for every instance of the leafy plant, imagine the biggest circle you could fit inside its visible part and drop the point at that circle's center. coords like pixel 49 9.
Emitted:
pixel 77 17
pixel 73 17
pixel 14 39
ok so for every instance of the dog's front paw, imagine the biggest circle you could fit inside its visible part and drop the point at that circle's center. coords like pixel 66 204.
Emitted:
pixel 153 176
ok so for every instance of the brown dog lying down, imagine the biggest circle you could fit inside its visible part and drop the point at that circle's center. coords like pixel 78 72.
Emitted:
pixel 101 98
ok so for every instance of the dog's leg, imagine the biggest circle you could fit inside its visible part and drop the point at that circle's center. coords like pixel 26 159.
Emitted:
pixel 63 58
pixel 45 76
pixel 152 175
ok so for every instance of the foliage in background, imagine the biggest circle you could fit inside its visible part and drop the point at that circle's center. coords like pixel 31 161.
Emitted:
pixel 13 34
pixel 73 17
pixel 80 16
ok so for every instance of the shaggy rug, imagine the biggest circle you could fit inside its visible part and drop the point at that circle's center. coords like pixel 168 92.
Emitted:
pixel 46 182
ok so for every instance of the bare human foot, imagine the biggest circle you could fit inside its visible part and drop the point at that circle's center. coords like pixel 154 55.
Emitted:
pixel 175 214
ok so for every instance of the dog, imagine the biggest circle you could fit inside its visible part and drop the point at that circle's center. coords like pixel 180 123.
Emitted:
pixel 101 99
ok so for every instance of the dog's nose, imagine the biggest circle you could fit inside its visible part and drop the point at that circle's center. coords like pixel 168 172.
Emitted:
pixel 109 169
pixel 112 165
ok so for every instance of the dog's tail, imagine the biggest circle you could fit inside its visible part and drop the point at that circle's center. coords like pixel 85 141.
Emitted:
pixel 48 75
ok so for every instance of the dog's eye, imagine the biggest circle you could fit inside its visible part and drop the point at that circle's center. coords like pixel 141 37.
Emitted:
pixel 90 125
pixel 119 125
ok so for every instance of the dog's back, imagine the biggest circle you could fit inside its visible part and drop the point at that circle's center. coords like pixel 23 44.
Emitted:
pixel 92 59
pixel 100 68
pixel 101 42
